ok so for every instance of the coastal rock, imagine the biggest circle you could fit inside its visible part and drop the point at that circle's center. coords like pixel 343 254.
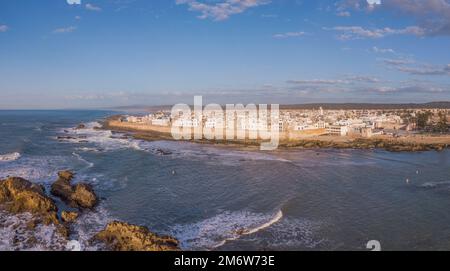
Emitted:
pixel 65 174
pixel 18 195
pixel 78 196
pixel 80 126
pixel 120 236
pixel 84 196
pixel 163 152
pixel 69 217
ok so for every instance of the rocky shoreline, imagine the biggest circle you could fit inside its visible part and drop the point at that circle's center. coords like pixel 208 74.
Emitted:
pixel 392 145
pixel 388 145
pixel 20 196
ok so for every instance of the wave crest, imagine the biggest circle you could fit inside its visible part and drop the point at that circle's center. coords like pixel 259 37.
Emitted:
pixel 10 157
pixel 215 232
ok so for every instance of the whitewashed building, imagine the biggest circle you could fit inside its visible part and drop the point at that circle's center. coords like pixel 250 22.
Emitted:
pixel 337 130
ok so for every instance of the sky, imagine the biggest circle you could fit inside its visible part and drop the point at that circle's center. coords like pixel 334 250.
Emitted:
pixel 106 53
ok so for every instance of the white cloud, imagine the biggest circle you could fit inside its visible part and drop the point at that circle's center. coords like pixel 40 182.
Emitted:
pixel 289 35
pixel 407 89
pixel 317 82
pixel 383 50
pixel 373 3
pixel 221 10
pixel 74 2
pixel 424 70
pixel 343 14
pixel 432 16
pixel 398 62
pixel 414 68
pixel 362 79
pixel 3 28
pixel 63 30
pixel 347 80
pixel 91 7
pixel 358 32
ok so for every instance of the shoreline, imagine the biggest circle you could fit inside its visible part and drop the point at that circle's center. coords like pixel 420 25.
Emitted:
pixel 402 144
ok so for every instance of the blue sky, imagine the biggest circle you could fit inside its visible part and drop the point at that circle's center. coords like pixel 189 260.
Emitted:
pixel 101 53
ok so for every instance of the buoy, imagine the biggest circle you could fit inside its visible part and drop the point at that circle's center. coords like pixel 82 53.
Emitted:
pixel 407 181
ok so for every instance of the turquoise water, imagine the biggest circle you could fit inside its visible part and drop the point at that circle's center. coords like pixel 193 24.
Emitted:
pixel 228 199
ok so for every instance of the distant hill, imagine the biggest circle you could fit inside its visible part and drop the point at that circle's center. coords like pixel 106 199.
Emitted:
pixel 325 106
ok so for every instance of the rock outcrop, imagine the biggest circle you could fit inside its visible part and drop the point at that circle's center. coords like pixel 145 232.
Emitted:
pixel 120 236
pixel 80 196
pixel 69 217
pixel 389 145
pixel 18 195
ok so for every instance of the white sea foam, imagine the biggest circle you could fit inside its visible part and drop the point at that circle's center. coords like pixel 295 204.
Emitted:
pixel 87 149
pixel 89 224
pixel 434 184
pixel 41 169
pixel 220 229
pixel 292 234
pixel 208 154
pixel 10 157
pixel 106 140
pixel 244 231
pixel 80 158
pixel 15 235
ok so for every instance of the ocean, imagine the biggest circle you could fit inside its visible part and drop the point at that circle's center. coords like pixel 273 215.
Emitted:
pixel 215 198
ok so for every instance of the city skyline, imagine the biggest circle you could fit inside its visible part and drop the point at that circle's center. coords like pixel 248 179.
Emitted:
pixel 106 53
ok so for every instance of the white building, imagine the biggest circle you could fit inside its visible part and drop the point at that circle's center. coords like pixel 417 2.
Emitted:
pixel 337 130
pixel 214 123
pixel 187 123
pixel 161 122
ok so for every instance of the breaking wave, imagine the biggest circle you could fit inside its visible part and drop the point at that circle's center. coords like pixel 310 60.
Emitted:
pixel 10 157
pixel 15 234
pixel 434 184
pixel 80 158
pixel 106 140
pixel 89 224
pixel 215 232
pixel 41 169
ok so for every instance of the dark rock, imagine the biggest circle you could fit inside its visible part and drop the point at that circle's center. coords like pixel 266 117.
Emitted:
pixel 78 196
pixel 163 152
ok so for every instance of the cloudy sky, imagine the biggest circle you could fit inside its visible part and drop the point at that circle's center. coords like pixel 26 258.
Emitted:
pixel 100 53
